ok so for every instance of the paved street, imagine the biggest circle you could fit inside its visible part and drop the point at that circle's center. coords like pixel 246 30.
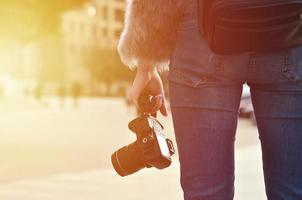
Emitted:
pixel 58 154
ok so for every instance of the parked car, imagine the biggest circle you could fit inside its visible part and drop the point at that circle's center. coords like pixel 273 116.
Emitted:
pixel 246 109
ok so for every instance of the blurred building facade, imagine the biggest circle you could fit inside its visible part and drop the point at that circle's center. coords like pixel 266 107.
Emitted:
pixel 55 60
pixel 39 62
pixel 97 24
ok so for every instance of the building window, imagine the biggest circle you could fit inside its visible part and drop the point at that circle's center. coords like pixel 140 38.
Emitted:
pixel 117 33
pixel 93 31
pixel 119 15
pixel 71 48
pixel 72 26
pixel 105 32
pixel 105 13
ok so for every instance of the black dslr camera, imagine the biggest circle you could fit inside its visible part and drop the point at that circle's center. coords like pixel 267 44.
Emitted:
pixel 151 149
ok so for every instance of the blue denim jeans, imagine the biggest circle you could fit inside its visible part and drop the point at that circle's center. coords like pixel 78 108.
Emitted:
pixel 205 91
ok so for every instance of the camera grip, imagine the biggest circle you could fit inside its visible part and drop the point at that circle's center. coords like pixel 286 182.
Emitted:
pixel 150 104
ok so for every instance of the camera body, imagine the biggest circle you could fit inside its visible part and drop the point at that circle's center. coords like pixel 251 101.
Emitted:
pixel 151 149
pixel 155 147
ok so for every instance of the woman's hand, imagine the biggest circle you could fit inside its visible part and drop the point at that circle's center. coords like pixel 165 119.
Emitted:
pixel 147 80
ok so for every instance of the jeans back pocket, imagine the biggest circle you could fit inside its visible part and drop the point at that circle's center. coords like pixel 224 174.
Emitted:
pixel 292 68
pixel 185 78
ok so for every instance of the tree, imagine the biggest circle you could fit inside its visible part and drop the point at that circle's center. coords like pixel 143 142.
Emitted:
pixel 105 66
pixel 28 20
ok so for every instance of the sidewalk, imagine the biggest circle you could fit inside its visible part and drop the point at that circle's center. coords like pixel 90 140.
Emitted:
pixel 106 185
pixel 64 146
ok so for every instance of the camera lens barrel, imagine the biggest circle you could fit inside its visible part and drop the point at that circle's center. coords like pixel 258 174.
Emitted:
pixel 127 160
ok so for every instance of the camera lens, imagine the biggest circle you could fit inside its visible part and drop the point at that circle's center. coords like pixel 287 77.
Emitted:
pixel 127 160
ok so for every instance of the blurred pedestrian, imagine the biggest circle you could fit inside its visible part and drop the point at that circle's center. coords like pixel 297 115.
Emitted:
pixel 2 91
pixel 39 92
pixel 76 93
pixel 129 102
pixel 62 94
pixel 27 91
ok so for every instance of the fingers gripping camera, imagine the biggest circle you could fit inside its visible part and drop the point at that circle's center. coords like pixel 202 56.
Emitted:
pixel 151 149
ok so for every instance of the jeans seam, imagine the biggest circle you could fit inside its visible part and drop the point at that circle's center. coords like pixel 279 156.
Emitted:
pixel 252 66
pixel 285 64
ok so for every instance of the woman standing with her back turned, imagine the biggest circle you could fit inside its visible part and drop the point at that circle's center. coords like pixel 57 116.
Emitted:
pixel 205 91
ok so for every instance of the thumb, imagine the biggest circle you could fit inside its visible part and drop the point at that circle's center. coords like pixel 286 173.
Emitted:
pixel 163 108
